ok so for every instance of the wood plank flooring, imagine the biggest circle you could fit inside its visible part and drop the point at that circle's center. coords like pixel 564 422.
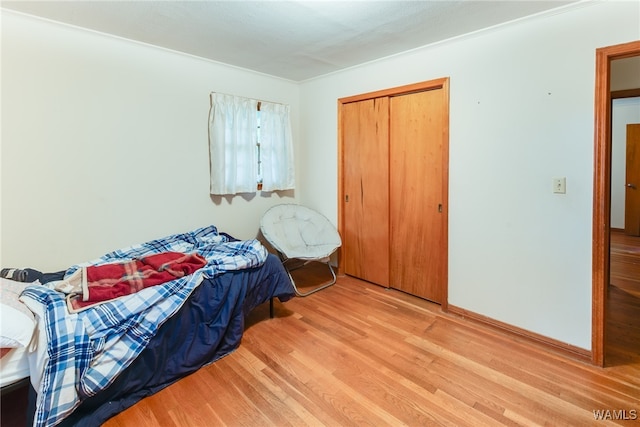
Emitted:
pixel 357 354
pixel 623 308
pixel 625 262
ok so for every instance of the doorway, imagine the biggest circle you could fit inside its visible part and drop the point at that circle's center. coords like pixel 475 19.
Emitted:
pixel 602 193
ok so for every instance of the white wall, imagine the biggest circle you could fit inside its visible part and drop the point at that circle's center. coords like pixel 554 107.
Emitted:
pixel 623 112
pixel 522 113
pixel 104 143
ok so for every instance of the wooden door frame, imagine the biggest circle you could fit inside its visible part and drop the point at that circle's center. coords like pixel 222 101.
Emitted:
pixel 602 192
pixel 442 83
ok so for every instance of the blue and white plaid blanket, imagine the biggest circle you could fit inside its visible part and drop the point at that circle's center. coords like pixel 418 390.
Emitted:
pixel 88 349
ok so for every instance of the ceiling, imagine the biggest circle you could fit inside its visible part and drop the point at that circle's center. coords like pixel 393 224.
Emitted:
pixel 295 40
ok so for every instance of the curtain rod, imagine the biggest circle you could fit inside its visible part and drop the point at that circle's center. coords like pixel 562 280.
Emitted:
pixel 245 97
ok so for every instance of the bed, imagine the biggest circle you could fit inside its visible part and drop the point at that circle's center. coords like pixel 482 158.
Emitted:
pixel 89 365
pixel 17 326
pixel 14 369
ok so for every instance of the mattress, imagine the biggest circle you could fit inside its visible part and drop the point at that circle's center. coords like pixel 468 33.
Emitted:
pixel 14 366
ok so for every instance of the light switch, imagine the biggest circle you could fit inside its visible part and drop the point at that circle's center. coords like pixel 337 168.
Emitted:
pixel 560 185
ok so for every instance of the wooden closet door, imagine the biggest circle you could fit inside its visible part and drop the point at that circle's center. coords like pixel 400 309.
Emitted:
pixel 365 249
pixel 632 174
pixel 418 138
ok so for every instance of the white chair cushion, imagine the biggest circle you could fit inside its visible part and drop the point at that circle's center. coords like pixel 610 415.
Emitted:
pixel 299 232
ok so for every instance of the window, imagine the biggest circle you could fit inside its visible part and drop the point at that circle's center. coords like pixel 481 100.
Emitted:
pixel 249 144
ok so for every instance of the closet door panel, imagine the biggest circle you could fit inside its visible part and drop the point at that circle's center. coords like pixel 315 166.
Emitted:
pixel 417 141
pixel 365 250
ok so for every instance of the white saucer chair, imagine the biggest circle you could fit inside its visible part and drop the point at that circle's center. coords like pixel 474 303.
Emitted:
pixel 300 233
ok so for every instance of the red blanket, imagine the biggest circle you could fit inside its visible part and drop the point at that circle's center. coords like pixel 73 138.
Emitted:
pixel 109 281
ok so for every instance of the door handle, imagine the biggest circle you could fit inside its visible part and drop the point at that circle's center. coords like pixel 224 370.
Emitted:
pixel 632 186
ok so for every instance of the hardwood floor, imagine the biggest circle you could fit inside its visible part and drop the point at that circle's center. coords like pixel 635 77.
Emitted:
pixel 625 262
pixel 623 308
pixel 357 354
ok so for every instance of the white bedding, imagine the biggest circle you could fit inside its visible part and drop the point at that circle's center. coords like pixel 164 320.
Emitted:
pixel 17 332
pixel 14 366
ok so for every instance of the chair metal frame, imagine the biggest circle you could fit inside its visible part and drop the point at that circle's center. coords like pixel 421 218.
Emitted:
pixel 319 288
pixel 287 261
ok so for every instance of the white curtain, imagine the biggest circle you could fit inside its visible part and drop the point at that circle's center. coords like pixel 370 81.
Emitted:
pixel 233 125
pixel 276 147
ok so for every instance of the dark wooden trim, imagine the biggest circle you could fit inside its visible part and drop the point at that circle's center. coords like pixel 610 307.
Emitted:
pixel 444 305
pixel 399 90
pixel 547 343
pixel 627 93
pixel 601 205
pixel 602 191
pixel 340 271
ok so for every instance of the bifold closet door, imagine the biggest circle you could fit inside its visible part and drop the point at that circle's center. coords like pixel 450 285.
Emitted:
pixel 365 133
pixel 418 138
